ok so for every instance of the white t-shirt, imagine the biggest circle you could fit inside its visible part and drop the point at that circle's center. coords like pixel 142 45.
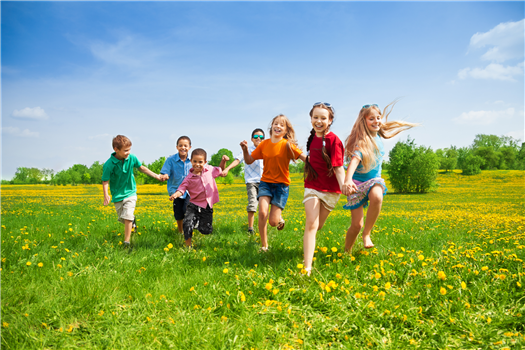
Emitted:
pixel 252 172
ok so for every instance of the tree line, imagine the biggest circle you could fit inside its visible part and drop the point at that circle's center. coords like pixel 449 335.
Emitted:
pixel 414 166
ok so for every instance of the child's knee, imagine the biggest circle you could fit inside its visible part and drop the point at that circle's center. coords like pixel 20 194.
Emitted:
pixel 273 222
pixel 357 225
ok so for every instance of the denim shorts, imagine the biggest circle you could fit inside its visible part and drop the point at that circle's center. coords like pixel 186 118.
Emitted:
pixel 277 192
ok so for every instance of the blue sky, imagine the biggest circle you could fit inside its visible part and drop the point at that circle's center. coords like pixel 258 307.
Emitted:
pixel 75 74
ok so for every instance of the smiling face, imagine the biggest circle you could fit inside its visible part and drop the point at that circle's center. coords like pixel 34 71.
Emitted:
pixel 320 120
pixel 122 153
pixel 183 147
pixel 257 138
pixel 373 121
pixel 198 162
pixel 279 128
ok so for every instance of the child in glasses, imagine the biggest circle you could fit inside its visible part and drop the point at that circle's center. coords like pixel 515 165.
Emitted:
pixel 324 176
pixel 364 147
pixel 252 176
pixel 201 186
pixel 276 154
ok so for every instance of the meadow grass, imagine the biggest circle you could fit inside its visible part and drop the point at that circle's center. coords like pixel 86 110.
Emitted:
pixel 447 272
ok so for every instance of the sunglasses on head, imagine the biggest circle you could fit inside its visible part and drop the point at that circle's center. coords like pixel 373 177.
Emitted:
pixel 368 106
pixel 326 104
pixel 258 137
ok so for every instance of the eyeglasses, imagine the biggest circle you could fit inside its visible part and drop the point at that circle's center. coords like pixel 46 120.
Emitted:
pixel 326 104
pixel 368 106
pixel 258 137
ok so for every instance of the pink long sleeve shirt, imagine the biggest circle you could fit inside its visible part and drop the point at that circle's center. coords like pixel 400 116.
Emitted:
pixel 202 188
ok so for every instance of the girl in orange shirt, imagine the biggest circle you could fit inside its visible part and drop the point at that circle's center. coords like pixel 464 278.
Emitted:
pixel 276 154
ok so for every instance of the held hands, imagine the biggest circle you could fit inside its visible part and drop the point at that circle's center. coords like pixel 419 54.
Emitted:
pixel 163 177
pixel 348 188
pixel 224 173
pixel 175 195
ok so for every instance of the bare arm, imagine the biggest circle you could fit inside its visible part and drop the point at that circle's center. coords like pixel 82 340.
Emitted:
pixel 248 159
pixel 177 194
pixel 150 173
pixel 339 173
pixel 231 166
pixel 349 186
pixel 224 159
pixel 105 186
pixel 302 157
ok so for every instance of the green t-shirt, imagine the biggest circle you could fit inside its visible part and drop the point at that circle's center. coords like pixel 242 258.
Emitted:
pixel 119 173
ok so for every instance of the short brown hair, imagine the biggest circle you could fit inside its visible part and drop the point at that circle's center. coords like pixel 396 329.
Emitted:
pixel 183 138
pixel 121 141
pixel 198 152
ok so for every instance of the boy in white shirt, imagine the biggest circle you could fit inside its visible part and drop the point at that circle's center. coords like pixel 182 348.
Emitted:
pixel 252 176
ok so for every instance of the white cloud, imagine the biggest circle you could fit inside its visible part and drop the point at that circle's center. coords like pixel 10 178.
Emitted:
pixel 35 113
pixel 505 41
pixel 494 71
pixel 519 135
pixel 483 117
pixel 20 133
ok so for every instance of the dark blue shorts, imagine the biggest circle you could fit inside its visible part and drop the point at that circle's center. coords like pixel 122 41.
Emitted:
pixel 277 192
pixel 179 207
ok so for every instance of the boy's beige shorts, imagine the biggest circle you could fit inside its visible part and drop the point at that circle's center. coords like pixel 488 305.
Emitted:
pixel 126 209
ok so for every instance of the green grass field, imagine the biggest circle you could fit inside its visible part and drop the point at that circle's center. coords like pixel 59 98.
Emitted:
pixel 447 273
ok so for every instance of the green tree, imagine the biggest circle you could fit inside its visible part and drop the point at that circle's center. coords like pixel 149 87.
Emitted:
pixel 520 158
pixel 412 168
pixel 21 175
pixel 491 158
pixel 95 172
pixel 215 159
pixel 448 158
pixel 470 163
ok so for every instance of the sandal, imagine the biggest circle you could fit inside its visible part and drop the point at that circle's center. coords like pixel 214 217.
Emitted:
pixel 281 224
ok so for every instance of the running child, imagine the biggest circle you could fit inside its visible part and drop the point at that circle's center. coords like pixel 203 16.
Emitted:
pixel 118 174
pixel 324 176
pixel 177 167
pixel 252 176
pixel 276 154
pixel 365 148
pixel 200 184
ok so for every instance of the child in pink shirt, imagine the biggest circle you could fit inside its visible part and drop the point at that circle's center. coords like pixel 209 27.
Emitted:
pixel 200 184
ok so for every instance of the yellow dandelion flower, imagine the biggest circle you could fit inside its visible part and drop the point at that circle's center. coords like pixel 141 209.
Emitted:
pixel 28 263
pixel 170 245
pixel 443 291
pixel 225 270
pixel 40 264
pixel 387 285
pixel 463 285
pixel 334 249
pixel 300 266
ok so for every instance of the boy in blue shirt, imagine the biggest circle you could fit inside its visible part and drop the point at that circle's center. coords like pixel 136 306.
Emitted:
pixel 177 167
pixel 118 174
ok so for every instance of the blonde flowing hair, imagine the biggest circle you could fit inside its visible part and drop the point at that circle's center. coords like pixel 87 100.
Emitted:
pixel 360 138
pixel 289 135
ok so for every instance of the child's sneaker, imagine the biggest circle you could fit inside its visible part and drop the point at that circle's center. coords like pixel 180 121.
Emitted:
pixel 134 226
pixel 251 231
pixel 280 226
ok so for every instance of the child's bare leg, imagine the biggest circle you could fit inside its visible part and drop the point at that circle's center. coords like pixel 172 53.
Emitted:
pixel 127 230
pixel 275 215
pixel 353 230
pixel 311 208
pixel 188 242
pixel 264 204
pixel 376 200
pixel 251 218
pixel 179 225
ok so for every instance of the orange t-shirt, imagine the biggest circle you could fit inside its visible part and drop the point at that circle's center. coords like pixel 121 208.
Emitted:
pixel 276 159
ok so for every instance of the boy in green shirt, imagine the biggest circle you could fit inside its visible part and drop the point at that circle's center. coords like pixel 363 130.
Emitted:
pixel 118 173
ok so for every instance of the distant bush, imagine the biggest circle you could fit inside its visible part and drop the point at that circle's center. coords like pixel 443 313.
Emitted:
pixel 411 168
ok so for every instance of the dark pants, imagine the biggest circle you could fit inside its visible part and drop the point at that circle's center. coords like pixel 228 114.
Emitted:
pixel 179 207
pixel 197 218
